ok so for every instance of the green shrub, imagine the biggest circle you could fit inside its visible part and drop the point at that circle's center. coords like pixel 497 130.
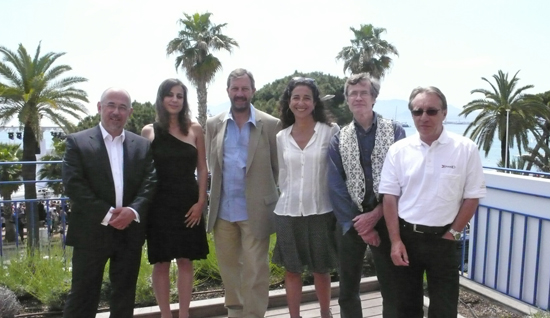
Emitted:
pixel 47 276
pixel 277 273
pixel 44 275
pixel 144 290
pixel 12 276
pixel 207 270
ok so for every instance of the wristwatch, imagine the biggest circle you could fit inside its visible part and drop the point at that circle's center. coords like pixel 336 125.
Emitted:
pixel 455 234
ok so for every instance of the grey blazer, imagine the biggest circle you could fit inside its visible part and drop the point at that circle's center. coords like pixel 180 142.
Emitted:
pixel 261 171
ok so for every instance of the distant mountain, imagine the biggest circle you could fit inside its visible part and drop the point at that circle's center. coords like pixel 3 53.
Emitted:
pixel 217 109
pixel 398 109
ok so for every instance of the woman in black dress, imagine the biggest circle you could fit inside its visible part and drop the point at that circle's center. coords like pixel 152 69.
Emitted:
pixel 175 230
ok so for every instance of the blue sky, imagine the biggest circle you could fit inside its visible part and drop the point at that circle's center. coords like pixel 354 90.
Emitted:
pixel 449 44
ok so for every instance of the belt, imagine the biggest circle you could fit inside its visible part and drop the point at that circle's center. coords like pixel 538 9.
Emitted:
pixel 424 229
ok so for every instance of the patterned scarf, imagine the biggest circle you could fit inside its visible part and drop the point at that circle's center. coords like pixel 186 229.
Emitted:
pixel 351 160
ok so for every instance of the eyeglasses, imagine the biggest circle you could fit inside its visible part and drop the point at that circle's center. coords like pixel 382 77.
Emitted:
pixel 429 112
pixel 303 79
pixel 355 94
pixel 113 107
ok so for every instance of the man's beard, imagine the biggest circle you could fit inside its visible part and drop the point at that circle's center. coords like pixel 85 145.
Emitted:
pixel 240 109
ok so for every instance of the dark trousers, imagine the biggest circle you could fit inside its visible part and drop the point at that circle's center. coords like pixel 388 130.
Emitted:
pixel 351 253
pixel 87 276
pixel 438 258
pixel 21 230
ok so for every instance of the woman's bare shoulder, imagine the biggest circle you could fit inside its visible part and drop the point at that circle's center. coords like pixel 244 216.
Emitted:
pixel 148 132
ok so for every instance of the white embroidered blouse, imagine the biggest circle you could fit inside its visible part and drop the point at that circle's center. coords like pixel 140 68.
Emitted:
pixel 303 172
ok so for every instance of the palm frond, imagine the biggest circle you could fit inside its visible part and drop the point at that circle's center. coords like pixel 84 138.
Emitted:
pixel 193 48
pixel 368 52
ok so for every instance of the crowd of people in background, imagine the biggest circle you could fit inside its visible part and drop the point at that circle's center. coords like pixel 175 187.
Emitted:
pixel 52 214
pixel 328 192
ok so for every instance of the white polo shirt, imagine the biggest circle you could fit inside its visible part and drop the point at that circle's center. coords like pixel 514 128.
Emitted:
pixel 432 181
pixel 303 173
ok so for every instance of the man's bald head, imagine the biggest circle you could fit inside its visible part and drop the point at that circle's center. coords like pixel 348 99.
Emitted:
pixel 115 107
pixel 115 89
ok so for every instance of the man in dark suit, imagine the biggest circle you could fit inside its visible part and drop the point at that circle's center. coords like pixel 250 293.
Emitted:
pixel 109 176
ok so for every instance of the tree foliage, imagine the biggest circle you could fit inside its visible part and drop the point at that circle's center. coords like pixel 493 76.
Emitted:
pixel 33 88
pixel 9 153
pixel 368 52
pixel 539 156
pixel 194 44
pixel 52 171
pixel 267 98
pixel 504 95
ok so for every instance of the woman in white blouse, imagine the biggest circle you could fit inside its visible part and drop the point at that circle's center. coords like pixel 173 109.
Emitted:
pixel 304 222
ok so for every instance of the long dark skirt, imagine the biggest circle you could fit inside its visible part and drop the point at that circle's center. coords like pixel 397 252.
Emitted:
pixel 306 243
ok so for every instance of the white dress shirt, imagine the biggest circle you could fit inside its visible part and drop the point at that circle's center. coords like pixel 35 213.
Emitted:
pixel 116 159
pixel 432 181
pixel 303 172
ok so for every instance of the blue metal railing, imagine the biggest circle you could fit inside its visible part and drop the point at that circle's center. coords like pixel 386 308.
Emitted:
pixel 509 252
pixel 49 224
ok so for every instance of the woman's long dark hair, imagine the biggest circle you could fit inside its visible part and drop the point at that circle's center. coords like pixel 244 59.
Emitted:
pixel 287 116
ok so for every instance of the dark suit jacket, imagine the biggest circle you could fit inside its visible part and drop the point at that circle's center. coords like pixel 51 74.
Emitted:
pixel 89 184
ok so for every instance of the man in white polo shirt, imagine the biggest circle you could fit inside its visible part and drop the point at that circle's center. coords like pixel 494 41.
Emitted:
pixel 432 182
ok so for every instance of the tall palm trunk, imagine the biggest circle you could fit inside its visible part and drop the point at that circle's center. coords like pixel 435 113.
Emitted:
pixel 29 173
pixel 543 140
pixel 8 211
pixel 202 97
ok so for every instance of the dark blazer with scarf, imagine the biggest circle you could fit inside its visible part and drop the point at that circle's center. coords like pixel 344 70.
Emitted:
pixel 89 184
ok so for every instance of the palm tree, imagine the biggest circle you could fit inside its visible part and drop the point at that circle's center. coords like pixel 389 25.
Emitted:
pixel 368 52
pixel 503 96
pixel 195 42
pixel 9 153
pixel 32 89
pixel 542 135
pixel 52 171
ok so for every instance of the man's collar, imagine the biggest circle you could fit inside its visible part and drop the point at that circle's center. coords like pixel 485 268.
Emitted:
pixel 443 138
pixel 105 133
pixel 251 119
pixel 374 122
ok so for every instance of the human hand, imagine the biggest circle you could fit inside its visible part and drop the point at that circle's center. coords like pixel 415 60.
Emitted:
pixel 363 223
pixel 399 254
pixel 193 216
pixel 371 238
pixel 448 236
pixel 121 218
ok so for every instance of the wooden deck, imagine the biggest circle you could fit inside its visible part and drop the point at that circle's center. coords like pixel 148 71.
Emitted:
pixel 214 308
pixel 371 301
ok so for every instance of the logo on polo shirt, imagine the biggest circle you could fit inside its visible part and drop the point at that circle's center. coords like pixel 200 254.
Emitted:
pixel 450 167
